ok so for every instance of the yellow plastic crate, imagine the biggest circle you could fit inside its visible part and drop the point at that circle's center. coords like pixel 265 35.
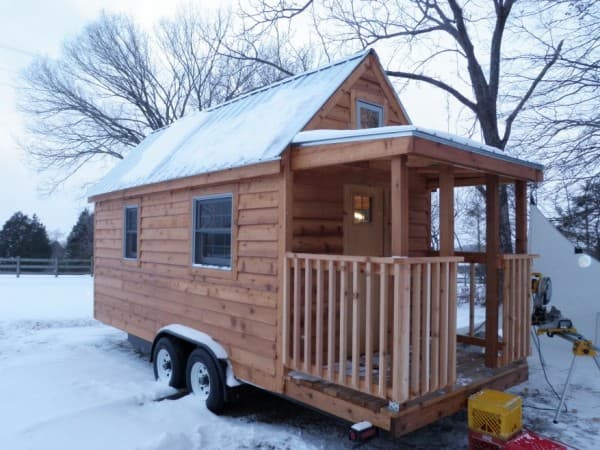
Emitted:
pixel 495 413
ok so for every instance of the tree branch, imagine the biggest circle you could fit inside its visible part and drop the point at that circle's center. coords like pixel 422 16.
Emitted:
pixel 437 83
pixel 513 115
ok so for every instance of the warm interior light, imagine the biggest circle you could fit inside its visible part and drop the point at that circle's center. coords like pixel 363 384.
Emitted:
pixel 359 217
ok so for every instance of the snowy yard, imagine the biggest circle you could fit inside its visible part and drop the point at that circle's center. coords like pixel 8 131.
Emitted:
pixel 69 382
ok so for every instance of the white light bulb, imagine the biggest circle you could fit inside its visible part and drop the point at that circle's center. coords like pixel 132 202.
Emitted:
pixel 584 261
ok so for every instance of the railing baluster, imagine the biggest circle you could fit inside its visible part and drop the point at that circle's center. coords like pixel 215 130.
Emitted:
pixel 425 327
pixel 355 324
pixel 404 342
pixel 517 281
pixel 435 326
pixel 452 325
pixel 319 319
pixel 415 325
pixel 331 302
pixel 524 301
pixel 383 327
pixel 369 327
pixel 444 325
pixel 343 321
pixel 296 327
pixel 506 314
pixel 286 312
pixel 528 309
pixel 472 299
pixel 396 368
pixel 307 314
pixel 513 310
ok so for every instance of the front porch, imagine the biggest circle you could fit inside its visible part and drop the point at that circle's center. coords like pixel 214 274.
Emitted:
pixel 369 309
pixel 386 326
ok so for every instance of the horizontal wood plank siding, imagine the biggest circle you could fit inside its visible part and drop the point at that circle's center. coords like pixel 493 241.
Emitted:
pixel 238 308
pixel 367 85
pixel 419 215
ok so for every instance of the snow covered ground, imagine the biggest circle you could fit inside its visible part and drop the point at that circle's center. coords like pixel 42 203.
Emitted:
pixel 69 382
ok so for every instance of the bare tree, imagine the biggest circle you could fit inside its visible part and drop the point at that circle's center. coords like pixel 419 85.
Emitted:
pixel 114 83
pixel 563 120
pixel 424 35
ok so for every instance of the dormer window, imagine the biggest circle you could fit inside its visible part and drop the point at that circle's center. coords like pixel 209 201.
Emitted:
pixel 369 115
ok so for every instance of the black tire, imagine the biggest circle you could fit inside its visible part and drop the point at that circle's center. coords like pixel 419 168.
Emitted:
pixel 168 363
pixel 204 379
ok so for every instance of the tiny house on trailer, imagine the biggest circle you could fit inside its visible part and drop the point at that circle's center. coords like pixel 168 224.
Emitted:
pixel 283 239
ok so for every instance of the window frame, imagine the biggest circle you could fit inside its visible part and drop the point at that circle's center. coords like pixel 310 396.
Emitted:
pixel 215 267
pixel 379 109
pixel 137 231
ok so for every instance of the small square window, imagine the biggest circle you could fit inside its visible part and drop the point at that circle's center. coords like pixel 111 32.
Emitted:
pixel 368 115
pixel 362 209
pixel 130 238
pixel 212 231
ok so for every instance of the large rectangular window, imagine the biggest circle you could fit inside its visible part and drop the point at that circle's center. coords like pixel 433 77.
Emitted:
pixel 212 231
pixel 130 238
pixel 368 115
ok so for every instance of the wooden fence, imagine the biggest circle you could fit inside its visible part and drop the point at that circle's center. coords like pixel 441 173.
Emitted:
pixel 45 266
pixel 383 326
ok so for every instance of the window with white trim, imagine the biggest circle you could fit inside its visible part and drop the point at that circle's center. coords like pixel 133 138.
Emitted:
pixel 368 115
pixel 130 231
pixel 212 231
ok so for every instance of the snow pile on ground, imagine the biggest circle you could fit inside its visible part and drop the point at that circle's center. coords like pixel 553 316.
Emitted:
pixel 69 382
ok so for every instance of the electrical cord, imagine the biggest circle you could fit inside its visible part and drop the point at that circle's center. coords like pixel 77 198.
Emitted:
pixel 537 407
pixel 539 351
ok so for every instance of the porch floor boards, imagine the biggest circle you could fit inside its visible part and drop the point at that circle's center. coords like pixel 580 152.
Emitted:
pixel 471 376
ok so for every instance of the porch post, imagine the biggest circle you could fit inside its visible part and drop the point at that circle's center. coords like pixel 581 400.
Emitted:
pixel 521 217
pixel 399 204
pixel 447 211
pixel 492 255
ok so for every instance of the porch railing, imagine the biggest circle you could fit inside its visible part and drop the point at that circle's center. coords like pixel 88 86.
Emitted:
pixel 383 326
pixel 516 308
pixel 515 274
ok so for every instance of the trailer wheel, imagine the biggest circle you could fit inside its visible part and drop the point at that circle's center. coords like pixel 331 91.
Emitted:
pixel 204 380
pixel 168 363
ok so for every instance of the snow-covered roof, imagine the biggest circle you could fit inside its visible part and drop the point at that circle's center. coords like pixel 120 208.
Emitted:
pixel 253 128
pixel 320 137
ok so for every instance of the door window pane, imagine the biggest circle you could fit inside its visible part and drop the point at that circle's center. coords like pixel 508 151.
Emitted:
pixel 362 209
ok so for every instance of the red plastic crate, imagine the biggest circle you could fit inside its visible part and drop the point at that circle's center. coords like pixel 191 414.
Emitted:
pixel 525 440
pixel 528 440
pixel 480 441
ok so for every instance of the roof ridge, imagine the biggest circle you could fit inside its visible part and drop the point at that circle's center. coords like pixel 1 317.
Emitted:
pixel 361 54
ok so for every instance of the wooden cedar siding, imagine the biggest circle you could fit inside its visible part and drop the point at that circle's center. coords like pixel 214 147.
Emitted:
pixel 366 83
pixel 318 209
pixel 419 216
pixel 237 308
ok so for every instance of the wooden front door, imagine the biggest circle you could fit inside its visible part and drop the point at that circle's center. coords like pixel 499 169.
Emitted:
pixel 363 236
pixel 363 220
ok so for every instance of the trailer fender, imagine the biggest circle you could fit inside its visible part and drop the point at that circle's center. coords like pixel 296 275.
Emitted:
pixel 203 340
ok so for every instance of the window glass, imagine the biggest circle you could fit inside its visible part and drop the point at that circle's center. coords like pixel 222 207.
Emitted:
pixel 369 115
pixel 212 231
pixel 362 209
pixel 131 232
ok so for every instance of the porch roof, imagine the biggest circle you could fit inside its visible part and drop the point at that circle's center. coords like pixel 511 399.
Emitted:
pixel 324 147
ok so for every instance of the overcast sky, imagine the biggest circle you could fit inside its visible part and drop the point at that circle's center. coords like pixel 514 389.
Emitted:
pixel 34 27
pixel 27 28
